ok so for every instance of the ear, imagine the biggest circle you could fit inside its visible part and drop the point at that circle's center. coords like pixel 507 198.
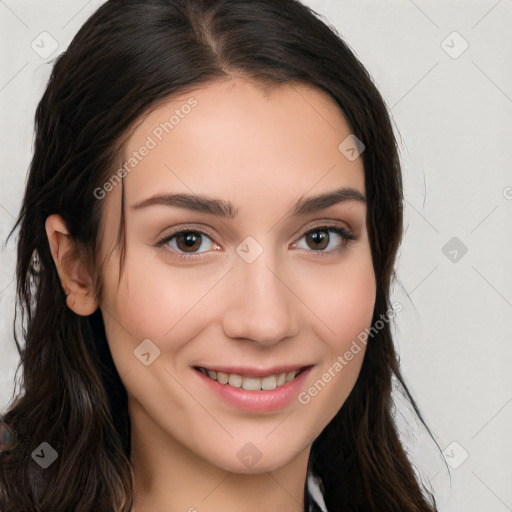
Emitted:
pixel 74 277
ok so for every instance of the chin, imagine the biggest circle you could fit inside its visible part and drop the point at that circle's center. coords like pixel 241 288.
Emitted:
pixel 253 458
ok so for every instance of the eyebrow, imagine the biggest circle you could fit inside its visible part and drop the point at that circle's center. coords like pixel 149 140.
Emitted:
pixel 226 209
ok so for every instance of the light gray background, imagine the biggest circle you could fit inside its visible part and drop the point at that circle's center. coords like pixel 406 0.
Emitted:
pixel 453 112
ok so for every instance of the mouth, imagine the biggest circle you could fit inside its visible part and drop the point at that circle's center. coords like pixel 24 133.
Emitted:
pixel 252 382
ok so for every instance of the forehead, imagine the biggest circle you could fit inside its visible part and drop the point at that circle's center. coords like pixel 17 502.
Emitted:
pixel 244 140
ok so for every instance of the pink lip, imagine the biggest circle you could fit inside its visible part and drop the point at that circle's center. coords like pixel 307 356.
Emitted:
pixel 257 401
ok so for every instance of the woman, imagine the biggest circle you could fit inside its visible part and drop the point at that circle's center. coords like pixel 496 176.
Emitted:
pixel 205 254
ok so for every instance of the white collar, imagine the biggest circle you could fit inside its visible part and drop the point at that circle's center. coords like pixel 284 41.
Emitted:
pixel 315 492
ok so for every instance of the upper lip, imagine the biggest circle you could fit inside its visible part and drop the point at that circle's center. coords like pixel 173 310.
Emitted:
pixel 254 371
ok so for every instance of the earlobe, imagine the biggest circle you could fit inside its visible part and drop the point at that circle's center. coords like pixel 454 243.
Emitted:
pixel 74 277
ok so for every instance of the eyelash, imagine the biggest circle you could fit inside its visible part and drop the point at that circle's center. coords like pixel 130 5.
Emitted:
pixel 346 236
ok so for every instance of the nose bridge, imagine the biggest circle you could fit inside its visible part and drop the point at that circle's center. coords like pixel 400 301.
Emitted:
pixel 261 307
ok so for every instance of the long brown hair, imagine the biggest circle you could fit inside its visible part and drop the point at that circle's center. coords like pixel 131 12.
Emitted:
pixel 127 58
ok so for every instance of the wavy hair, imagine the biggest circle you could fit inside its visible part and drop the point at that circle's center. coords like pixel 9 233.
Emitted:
pixel 129 57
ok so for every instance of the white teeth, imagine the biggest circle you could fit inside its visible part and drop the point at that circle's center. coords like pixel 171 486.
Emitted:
pixel 291 375
pixel 268 383
pixel 251 383
pixel 235 380
pixel 223 378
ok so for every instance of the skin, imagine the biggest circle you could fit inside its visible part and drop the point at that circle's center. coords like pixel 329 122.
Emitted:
pixel 261 149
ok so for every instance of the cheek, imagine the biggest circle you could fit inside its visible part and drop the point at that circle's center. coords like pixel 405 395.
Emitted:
pixel 344 297
pixel 345 300
pixel 153 302
pixel 352 311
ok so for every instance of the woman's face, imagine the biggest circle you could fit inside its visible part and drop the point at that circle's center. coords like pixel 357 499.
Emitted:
pixel 247 261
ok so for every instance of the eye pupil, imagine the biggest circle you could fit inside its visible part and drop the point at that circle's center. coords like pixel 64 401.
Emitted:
pixel 188 241
pixel 319 237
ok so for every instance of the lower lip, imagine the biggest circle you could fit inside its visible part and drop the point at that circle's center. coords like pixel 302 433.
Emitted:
pixel 257 401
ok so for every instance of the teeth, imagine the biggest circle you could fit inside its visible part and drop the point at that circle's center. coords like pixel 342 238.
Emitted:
pixel 235 380
pixel 269 383
pixel 251 383
pixel 281 379
pixel 223 378
pixel 291 375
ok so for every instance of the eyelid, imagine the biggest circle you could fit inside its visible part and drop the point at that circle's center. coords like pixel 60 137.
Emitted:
pixel 347 237
pixel 186 228
pixel 163 240
pixel 329 224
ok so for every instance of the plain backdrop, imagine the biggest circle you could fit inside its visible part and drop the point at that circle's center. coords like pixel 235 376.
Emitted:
pixel 444 71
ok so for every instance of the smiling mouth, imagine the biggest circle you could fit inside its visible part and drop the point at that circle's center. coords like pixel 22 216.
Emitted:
pixel 267 383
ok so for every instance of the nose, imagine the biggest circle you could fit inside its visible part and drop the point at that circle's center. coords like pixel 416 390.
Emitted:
pixel 261 306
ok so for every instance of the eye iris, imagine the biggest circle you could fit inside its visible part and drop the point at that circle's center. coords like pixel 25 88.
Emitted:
pixel 318 237
pixel 188 241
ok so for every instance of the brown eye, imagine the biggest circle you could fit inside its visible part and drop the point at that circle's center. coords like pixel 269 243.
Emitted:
pixel 326 239
pixel 317 240
pixel 188 241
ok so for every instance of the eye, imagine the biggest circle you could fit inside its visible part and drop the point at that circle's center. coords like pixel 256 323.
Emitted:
pixel 325 239
pixel 188 242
